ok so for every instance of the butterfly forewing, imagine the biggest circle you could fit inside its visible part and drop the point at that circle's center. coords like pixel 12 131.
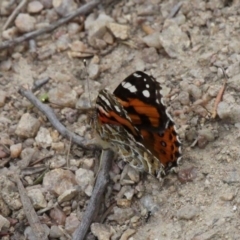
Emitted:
pixel 140 95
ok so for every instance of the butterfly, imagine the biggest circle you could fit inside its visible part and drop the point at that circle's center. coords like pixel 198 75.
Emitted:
pixel 135 122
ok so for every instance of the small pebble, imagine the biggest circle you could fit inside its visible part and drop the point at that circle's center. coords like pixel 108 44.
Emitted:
pixel 25 23
pixel 152 40
pixel 64 7
pixel 3 96
pixel 63 96
pixel 101 231
pixel 28 126
pixel 84 178
pixel 43 138
pixel 72 223
pixel 34 7
pixel 4 224
pixel 93 71
pixel 127 234
pixel 37 198
pixel 59 180
pixel 187 212
pixel 119 31
pixel 16 150
pixel 10 33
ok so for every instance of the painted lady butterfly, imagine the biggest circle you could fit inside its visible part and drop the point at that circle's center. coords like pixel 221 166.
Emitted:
pixel 135 122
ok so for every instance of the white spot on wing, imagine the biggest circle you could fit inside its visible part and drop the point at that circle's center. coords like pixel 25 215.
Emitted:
pixel 162 101
pixel 147 85
pixel 179 159
pixel 129 86
pixel 157 101
pixel 175 129
pixel 117 108
pixel 137 75
pixel 169 116
pixel 146 93
pixel 105 100
pixel 178 139
pixel 167 124
pixel 132 89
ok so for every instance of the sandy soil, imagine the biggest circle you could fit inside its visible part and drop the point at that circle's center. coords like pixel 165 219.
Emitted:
pixel 207 207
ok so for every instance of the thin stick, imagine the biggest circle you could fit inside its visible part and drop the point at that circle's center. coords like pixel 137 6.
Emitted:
pixel 48 112
pixel 95 200
pixel 85 9
pixel 14 14
pixel 219 96
pixel 37 228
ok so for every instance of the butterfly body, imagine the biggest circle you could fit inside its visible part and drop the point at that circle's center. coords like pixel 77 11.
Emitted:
pixel 135 122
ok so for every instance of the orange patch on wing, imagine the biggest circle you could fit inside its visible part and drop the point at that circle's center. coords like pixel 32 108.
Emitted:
pixel 141 108
pixel 155 142
pixel 119 121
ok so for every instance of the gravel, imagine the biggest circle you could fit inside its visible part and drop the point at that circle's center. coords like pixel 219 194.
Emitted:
pixel 186 51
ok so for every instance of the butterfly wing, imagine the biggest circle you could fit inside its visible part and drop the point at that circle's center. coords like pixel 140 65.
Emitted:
pixel 110 111
pixel 139 94
pixel 115 126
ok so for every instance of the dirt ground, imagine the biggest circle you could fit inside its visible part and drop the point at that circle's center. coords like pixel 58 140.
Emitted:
pixel 187 52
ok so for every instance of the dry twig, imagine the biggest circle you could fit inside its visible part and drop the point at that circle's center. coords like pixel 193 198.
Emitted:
pixel 95 200
pixel 48 112
pixel 14 14
pixel 219 96
pixel 37 228
pixel 85 9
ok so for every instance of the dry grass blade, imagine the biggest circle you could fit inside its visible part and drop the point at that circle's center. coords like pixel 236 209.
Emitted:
pixel 219 97
pixel 14 14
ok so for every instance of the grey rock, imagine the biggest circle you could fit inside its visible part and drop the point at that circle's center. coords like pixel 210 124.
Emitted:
pixel 194 91
pixel 234 82
pixel 63 95
pixel 16 150
pixel 152 40
pixel 187 212
pixel 29 234
pixel 55 232
pixel 93 71
pixel 64 7
pixel 3 96
pixel 150 55
pixel 59 180
pixel 37 198
pixel 84 178
pixel 68 195
pixel 207 133
pixel 25 23
pixel 71 223
pixel 118 30
pixel 27 126
pixel 127 234
pixel 10 193
pixel 121 215
pixel 101 231
pixel 173 40
pixel 43 138
pixel 184 98
pixel 4 223
pixel 35 7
